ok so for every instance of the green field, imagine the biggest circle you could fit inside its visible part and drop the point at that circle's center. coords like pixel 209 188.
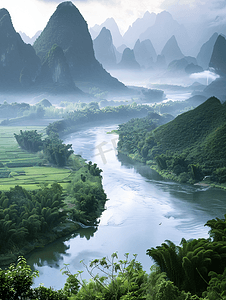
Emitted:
pixel 18 167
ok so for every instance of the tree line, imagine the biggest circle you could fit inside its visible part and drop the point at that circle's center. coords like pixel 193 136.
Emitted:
pixel 55 151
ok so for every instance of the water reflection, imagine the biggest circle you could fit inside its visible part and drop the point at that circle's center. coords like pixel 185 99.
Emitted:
pixel 194 205
pixel 50 255
pixel 53 255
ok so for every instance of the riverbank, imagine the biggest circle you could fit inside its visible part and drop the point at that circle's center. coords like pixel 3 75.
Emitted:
pixel 63 230
pixel 169 175
pixel 52 210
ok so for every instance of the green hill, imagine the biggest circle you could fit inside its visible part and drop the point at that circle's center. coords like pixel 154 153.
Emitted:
pixel 190 147
pixel 191 127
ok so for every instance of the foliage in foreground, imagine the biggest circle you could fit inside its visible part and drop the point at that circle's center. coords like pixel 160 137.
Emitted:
pixel 196 270
pixel 16 283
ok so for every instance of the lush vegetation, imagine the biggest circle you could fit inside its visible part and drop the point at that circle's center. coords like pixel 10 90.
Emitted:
pixel 195 270
pixel 189 148
pixel 133 134
pixel 53 148
pixel 86 194
pixel 28 215
pixel 13 110
pixel 27 169
pixel 92 113
pixel 31 218
pixel 39 204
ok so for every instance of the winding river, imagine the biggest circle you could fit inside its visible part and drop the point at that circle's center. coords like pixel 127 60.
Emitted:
pixel 143 210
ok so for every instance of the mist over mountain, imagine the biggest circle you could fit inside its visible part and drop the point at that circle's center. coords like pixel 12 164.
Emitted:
pixel 138 27
pixel 205 53
pixel 29 40
pixel 186 64
pixel 163 29
pixel 113 27
pixel 145 53
pixel 171 50
pixel 121 48
pixel 128 60
pixel 160 62
pixel 19 63
pixel 218 58
pixel 104 49
pixel 68 29
pixel 218 63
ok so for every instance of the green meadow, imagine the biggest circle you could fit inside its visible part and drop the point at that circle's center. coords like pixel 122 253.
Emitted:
pixel 18 167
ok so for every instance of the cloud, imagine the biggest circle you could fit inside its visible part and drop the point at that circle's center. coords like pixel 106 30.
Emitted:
pixel 208 75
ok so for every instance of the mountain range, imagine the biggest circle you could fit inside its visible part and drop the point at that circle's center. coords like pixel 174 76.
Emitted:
pixel 104 49
pixel 60 56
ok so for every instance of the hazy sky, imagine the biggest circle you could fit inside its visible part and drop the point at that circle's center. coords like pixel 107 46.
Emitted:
pixel 29 16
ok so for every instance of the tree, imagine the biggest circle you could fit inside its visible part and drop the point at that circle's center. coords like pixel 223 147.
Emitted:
pixel 29 140
pixel 17 280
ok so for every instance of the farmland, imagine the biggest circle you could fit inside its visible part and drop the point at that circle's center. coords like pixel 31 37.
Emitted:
pixel 19 167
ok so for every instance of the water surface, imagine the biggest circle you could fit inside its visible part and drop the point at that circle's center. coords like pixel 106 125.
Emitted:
pixel 143 211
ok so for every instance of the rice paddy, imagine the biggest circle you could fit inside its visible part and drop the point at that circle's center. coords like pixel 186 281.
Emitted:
pixel 19 167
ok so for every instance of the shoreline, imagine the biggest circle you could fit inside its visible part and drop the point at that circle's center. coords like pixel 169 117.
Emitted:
pixel 61 231
pixel 170 176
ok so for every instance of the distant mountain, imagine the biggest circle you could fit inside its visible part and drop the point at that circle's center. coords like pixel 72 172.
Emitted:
pixel 217 88
pixel 205 53
pixel 68 29
pixel 171 50
pixel 113 27
pixel 160 62
pixel 104 49
pixel 138 27
pixel 55 74
pixel 19 63
pixel 29 40
pixel 218 58
pixel 163 29
pixel 145 53
pixel 192 68
pixel 121 48
pixel 186 64
pixel 178 66
pixel 128 60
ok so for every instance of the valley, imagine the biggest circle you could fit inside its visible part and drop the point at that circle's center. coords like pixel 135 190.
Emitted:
pixel 113 145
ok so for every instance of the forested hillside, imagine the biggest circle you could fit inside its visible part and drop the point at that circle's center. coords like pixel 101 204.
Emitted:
pixel 190 147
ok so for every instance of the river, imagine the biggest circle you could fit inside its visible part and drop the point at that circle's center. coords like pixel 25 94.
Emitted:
pixel 143 211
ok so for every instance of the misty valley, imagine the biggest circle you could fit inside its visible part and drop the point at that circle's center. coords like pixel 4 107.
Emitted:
pixel 112 160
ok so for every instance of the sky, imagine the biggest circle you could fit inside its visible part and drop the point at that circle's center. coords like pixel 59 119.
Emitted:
pixel 29 16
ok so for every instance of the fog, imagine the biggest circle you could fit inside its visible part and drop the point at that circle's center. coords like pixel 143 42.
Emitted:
pixel 206 76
